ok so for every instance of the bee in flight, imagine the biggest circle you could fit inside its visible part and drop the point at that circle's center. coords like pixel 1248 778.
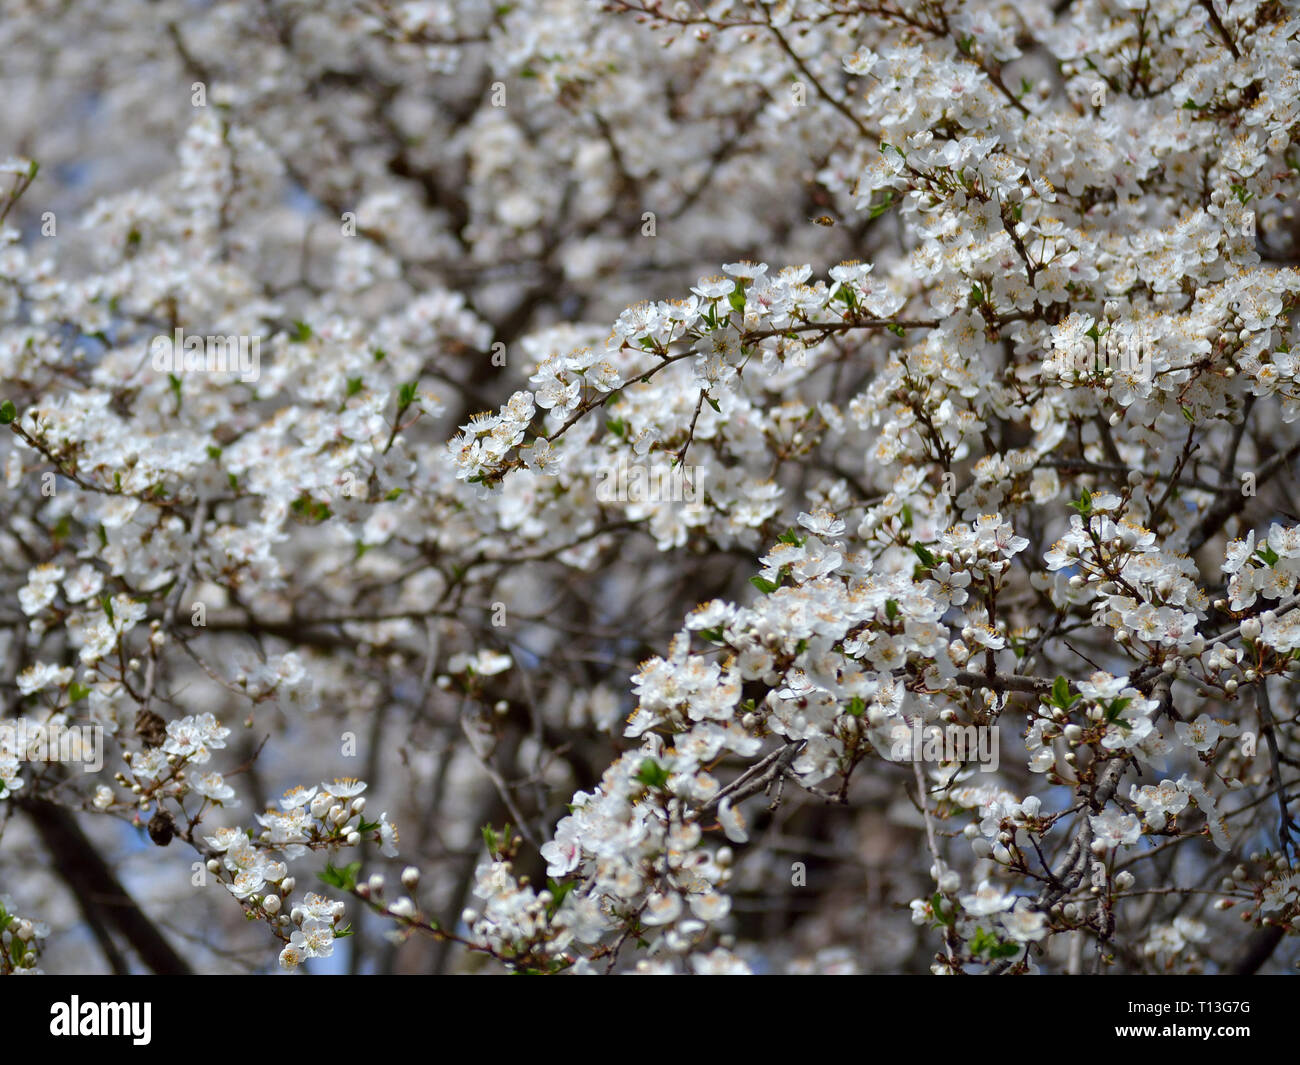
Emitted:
pixel 823 220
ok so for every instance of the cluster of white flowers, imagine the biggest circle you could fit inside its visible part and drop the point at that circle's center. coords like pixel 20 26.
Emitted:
pixel 399 529
pixel 254 866
pixel 21 940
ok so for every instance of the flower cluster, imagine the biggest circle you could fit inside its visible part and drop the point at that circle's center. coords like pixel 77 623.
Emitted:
pixel 496 260
pixel 21 940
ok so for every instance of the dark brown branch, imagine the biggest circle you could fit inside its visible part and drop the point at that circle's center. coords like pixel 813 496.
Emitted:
pixel 96 886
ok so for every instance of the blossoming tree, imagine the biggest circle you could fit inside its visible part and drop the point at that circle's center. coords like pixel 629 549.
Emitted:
pixel 663 419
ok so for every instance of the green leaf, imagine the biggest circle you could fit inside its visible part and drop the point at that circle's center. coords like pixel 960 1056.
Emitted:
pixel 652 774
pixel 1084 503
pixel 1113 712
pixel 884 205
pixel 354 385
pixel 77 692
pixel 300 333
pixel 891 609
pixel 310 510
pixel 7 412
pixel 856 706
pixel 713 403
pixel 984 942
pixel 345 878
pixel 737 297
pixel 558 891
pixel 617 426
pixel 936 903
pixel 1061 695
pixel 763 585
